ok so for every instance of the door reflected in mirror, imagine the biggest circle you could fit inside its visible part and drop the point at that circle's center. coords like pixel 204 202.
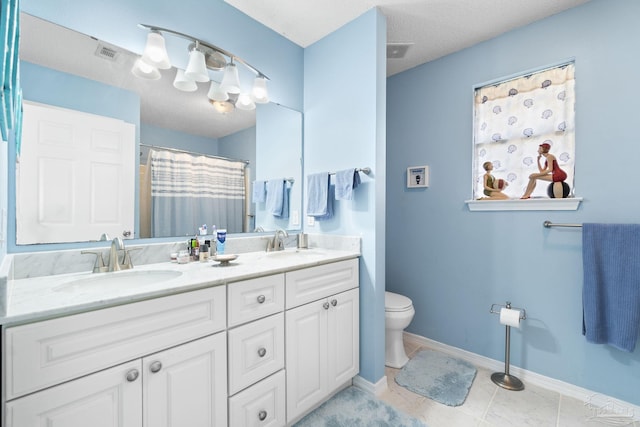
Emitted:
pixel 92 76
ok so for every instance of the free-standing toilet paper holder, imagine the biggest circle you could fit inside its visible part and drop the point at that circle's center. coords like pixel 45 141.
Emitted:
pixel 504 379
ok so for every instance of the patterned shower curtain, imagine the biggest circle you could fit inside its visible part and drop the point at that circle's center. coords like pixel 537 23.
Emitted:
pixel 190 190
pixel 512 118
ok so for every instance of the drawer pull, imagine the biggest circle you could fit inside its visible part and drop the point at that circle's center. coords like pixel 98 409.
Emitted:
pixel 155 366
pixel 334 302
pixel 325 306
pixel 262 351
pixel 261 299
pixel 132 375
pixel 262 415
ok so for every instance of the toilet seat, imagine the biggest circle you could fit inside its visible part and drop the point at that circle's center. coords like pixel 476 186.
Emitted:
pixel 396 302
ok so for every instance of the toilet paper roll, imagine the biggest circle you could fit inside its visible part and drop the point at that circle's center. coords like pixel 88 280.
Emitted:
pixel 510 317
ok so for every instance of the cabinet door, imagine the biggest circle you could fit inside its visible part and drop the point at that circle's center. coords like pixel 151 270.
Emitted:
pixel 343 345
pixel 306 361
pixel 187 385
pixel 109 398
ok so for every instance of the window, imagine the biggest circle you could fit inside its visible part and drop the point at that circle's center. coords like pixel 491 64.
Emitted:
pixel 513 118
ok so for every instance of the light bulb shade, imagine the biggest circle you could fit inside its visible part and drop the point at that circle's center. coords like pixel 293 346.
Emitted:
pixel 245 102
pixel 143 70
pixel 259 92
pixel 222 106
pixel 230 80
pixel 181 82
pixel 155 52
pixel 197 68
pixel 215 93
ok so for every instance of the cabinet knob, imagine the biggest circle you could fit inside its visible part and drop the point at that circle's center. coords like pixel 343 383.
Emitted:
pixel 262 351
pixel 261 299
pixel 132 375
pixel 155 366
pixel 325 306
pixel 334 302
pixel 262 415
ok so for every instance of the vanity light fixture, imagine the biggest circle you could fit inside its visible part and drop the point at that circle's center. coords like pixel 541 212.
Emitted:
pixel 203 58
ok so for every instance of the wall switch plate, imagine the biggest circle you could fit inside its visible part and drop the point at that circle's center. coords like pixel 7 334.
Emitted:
pixel 295 218
pixel 311 221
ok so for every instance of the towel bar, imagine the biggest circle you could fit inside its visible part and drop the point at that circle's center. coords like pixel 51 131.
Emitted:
pixel 549 224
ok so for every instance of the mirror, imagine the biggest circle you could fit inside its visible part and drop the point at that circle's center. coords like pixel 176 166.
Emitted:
pixel 269 138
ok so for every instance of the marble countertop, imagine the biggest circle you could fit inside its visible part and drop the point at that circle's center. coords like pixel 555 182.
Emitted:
pixel 39 298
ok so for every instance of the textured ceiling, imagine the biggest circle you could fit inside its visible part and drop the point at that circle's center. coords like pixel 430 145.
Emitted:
pixel 434 27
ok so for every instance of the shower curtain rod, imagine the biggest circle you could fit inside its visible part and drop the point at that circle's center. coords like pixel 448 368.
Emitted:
pixel 176 150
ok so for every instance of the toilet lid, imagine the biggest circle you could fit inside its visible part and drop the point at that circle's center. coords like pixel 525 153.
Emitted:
pixel 396 302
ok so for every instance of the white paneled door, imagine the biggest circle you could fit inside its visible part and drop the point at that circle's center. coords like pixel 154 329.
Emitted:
pixel 75 176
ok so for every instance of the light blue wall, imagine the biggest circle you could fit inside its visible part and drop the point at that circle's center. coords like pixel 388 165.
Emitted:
pixel 161 137
pixel 454 263
pixel 344 128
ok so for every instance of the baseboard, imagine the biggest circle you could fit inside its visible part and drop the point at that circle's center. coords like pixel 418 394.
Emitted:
pixel 376 389
pixel 597 400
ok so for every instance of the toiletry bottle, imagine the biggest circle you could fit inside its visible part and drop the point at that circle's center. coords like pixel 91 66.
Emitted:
pixel 195 248
pixel 214 238
pixel 220 241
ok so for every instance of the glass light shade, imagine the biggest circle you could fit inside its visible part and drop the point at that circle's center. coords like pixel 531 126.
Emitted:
pixel 155 52
pixel 215 93
pixel 245 102
pixel 259 92
pixel 230 80
pixel 145 71
pixel 222 106
pixel 197 68
pixel 181 82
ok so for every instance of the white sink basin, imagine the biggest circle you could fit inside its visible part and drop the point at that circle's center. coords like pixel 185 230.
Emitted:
pixel 298 253
pixel 119 279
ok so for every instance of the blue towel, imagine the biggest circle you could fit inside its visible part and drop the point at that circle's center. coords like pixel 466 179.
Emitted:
pixel 259 191
pixel 319 200
pixel 277 200
pixel 611 288
pixel 346 181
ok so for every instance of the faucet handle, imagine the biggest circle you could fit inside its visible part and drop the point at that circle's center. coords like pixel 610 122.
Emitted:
pixel 126 261
pixel 99 266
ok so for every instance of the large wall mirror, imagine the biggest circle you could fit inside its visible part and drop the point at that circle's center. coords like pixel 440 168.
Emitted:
pixel 268 139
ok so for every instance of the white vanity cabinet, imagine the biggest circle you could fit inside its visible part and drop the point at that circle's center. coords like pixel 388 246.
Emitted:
pixel 322 333
pixel 154 363
pixel 256 352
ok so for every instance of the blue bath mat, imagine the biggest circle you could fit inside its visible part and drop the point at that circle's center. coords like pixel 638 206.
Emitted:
pixel 354 408
pixel 437 376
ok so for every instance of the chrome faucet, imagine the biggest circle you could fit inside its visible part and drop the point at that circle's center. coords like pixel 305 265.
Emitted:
pixel 117 244
pixel 114 262
pixel 276 243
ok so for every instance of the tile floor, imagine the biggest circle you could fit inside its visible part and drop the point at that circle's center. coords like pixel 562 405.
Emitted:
pixel 488 405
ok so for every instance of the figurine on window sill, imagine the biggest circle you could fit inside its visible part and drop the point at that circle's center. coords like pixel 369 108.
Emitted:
pixel 493 187
pixel 549 172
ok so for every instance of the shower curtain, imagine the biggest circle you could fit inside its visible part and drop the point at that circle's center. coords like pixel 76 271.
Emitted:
pixel 190 190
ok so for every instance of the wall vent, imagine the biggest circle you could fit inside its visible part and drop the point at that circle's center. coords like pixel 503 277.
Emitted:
pixel 106 52
pixel 397 50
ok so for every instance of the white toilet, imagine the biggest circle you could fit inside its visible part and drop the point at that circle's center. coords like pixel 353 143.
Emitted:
pixel 398 313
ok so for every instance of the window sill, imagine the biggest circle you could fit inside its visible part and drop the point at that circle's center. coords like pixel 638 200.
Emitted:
pixel 535 204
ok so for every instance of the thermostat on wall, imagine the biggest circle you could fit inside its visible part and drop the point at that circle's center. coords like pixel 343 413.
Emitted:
pixel 417 176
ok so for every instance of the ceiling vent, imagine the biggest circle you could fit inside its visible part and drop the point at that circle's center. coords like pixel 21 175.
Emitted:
pixel 106 52
pixel 397 50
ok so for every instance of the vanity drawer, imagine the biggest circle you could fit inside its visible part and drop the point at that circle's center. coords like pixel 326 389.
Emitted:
pixel 256 350
pixel 46 353
pixel 312 284
pixel 261 405
pixel 255 298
